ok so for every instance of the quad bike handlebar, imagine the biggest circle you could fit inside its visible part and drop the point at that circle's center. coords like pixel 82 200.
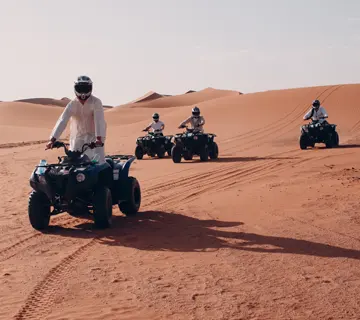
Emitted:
pixel 59 144
pixel 188 129
pixel 155 131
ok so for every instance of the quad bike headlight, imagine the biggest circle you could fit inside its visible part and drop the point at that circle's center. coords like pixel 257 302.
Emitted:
pixel 304 128
pixel 42 179
pixel 80 177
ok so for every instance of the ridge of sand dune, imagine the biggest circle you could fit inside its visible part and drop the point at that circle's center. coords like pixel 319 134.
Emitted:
pixel 182 99
pixel 24 121
pixel 267 231
pixel 151 95
pixel 251 110
pixel 46 101
pixel 51 102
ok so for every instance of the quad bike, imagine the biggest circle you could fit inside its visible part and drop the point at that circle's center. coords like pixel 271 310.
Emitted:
pixel 315 132
pixel 154 143
pixel 79 185
pixel 193 142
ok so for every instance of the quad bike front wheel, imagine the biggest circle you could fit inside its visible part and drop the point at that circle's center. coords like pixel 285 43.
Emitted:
pixel 102 207
pixel 176 154
pixel 132 203
pixel 139 152
pixel 333 140
pixel 214 151
pixel 39 210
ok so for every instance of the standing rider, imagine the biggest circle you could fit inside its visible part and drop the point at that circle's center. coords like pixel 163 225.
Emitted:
pixel 87 120
pixel 317 113
pixel 157 126
pixel 196 120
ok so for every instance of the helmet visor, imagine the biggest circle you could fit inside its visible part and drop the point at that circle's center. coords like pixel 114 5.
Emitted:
pixel 83 88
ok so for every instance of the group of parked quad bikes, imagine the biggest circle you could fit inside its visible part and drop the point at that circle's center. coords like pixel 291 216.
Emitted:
pixel 81 186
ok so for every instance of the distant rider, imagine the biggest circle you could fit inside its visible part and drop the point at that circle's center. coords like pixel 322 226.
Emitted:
pixel 157 126
pixel 87 120
pixel 196 120
pixel 317 113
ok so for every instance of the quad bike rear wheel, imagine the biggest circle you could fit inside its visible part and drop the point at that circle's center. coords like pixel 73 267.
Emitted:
pixel 214 151
pixel 176 152
pixel 102 207
pixel 303 142
pixel 39 210
pixel 335 139
pixel 139 152
pixel 132 203
pixel 161 152
pixel 204 153
pixel 169 149
pixel 188 155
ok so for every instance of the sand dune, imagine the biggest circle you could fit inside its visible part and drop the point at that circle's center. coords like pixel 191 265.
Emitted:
pixel 267 231
pixel 151 95
pixel 22 121
pixel 46 101
pixel 182 100
pixel 51 102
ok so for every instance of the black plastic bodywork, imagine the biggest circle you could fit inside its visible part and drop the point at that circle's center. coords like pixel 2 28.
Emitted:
pixel 194 141
pixel 315 132
pixel 66 193
pixel 151 143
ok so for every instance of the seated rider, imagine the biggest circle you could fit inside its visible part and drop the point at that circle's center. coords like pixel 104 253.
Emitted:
pixel 317 113
pixel 157 126
pixel 197 122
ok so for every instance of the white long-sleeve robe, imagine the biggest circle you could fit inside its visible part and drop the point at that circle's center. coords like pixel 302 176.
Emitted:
pixel 195 122
pixel 87 123
pixel 315 115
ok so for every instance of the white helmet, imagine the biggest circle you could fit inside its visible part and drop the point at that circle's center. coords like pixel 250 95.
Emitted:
pixel 195 111
pixel 83 87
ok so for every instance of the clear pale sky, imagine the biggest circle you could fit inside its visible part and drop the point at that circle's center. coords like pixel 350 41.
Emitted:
pixel 129 47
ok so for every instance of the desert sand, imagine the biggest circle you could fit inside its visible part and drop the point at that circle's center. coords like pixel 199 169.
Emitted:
pixel 267 231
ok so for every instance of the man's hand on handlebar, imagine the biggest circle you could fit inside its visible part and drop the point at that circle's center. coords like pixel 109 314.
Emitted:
pixel 98 142
pixel 50 144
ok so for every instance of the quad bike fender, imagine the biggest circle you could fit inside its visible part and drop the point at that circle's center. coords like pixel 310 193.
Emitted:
pixel 120 176
pixel 40 186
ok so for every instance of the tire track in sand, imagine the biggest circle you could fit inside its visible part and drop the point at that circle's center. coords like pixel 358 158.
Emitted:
pixel 37 238
pixel 229 175
pixel 40 300
pixel 262 135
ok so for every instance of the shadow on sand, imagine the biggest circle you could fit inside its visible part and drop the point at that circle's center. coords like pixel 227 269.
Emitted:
pixel 236 159
pixel 341 146
pixel 245 159
pixel 165 231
